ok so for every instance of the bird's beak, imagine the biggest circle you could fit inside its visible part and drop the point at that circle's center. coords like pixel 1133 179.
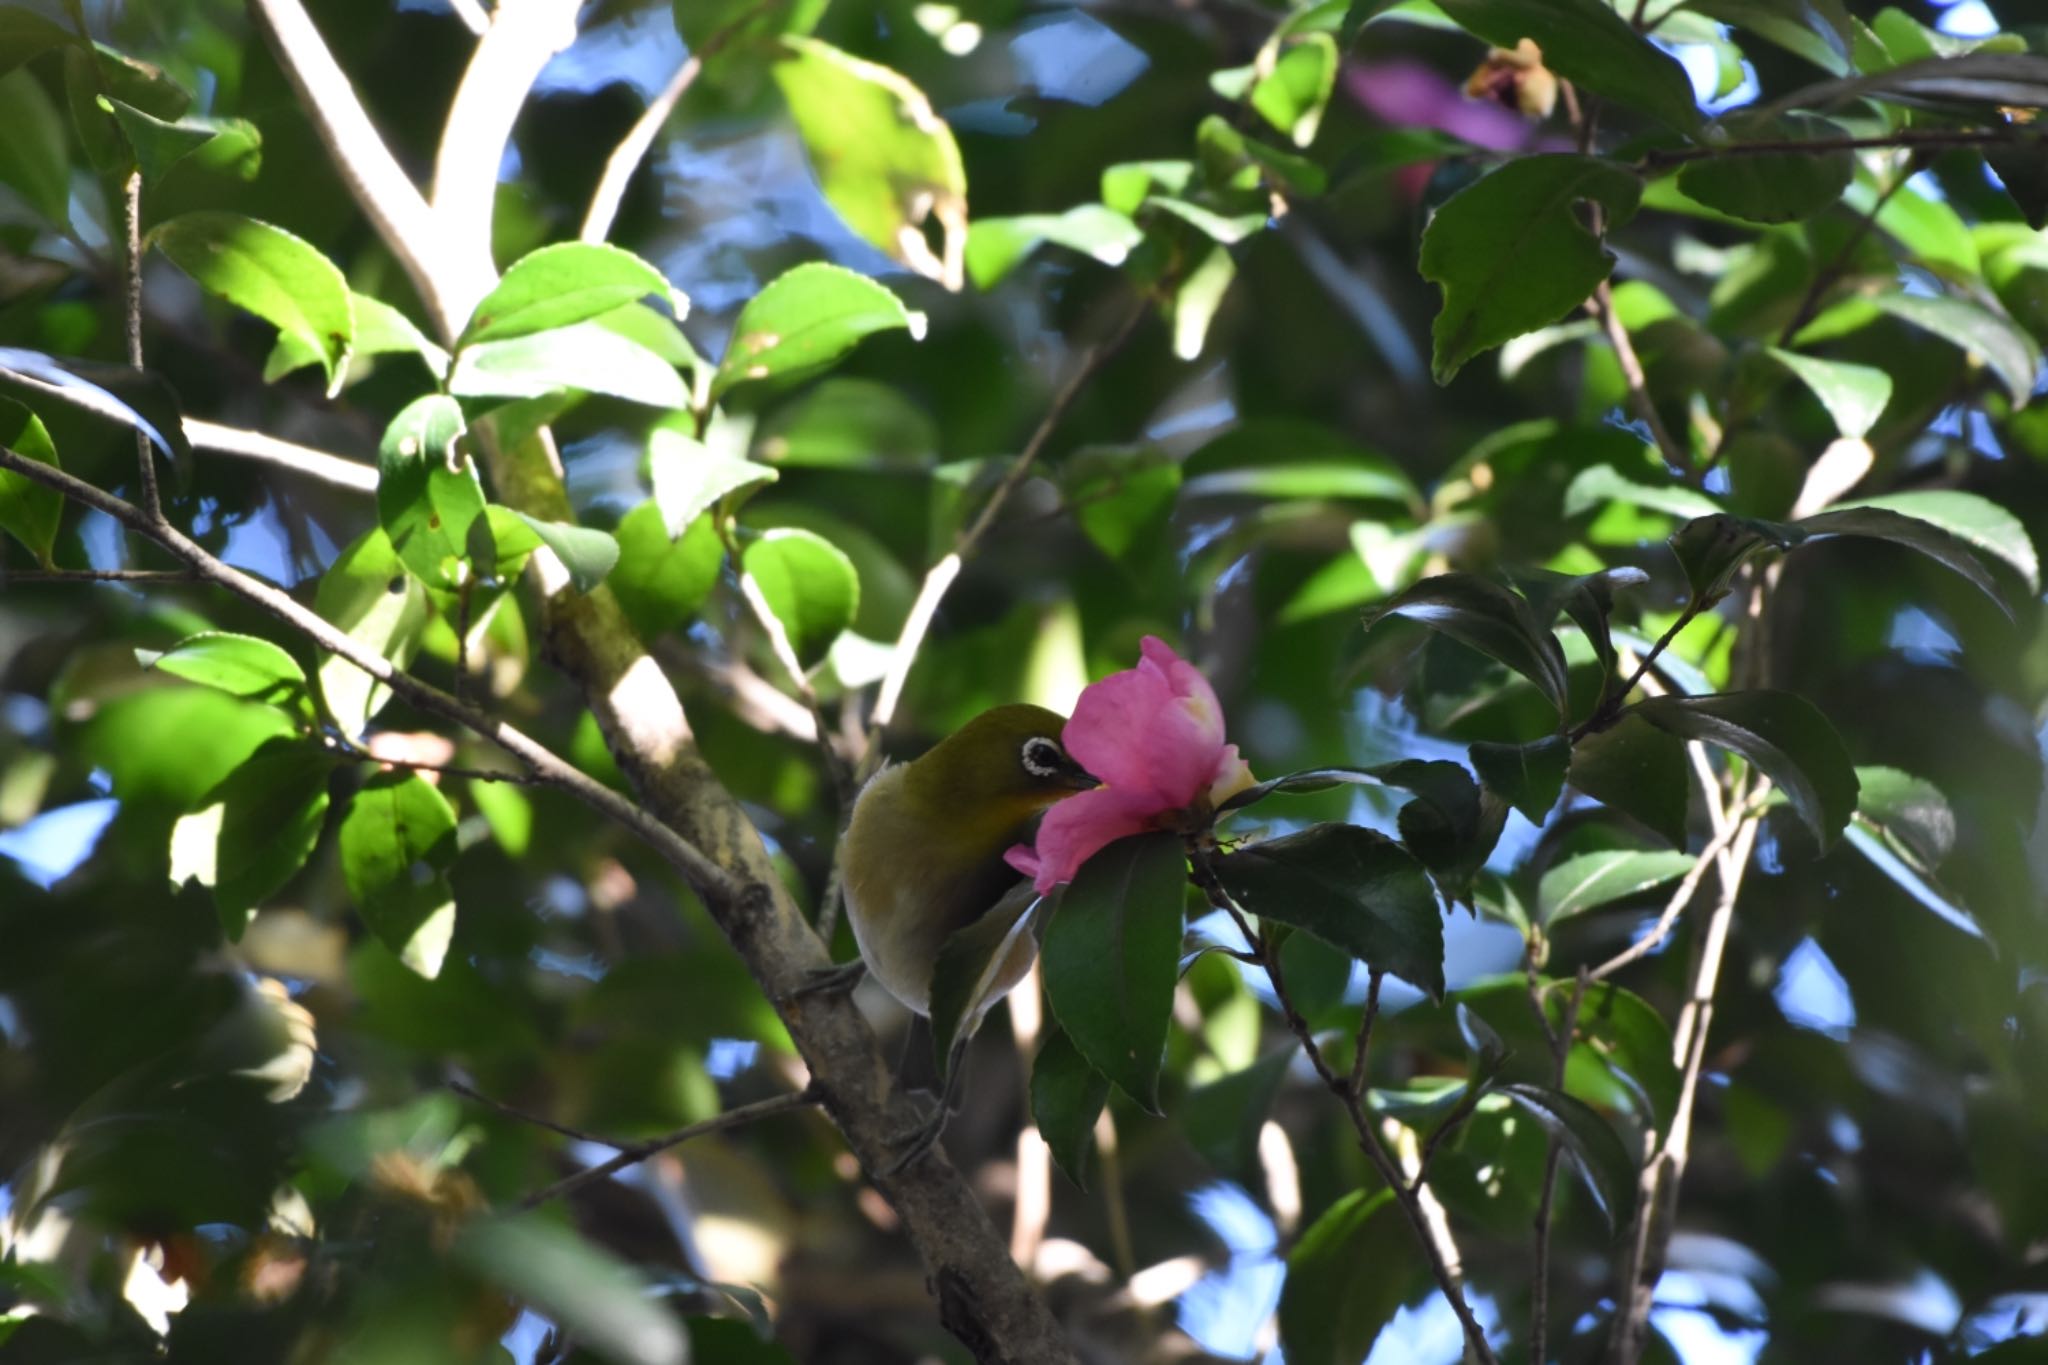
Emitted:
pixel 1079 778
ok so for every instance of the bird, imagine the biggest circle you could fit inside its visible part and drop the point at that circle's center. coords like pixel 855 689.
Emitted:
pixel 922 861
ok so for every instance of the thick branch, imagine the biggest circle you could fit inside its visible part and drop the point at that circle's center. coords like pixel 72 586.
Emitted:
pixel 353 475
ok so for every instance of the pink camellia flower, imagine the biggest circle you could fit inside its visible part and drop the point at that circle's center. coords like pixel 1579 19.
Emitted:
pixel 1154 735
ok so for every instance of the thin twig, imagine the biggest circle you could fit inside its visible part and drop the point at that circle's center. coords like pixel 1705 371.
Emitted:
pixel 1637 381
pixel 1809 302
pixel 1539 1260
pixel 350 749
pixel 1616 700
pixel 1673 908
pixel 1362 1046
pixel 549 767
pixel 98 576
pixel 1369 1140
pixel 254 445
pixel 131 292
pixel 537 1120
pixel 1662 159
pixel 639 1152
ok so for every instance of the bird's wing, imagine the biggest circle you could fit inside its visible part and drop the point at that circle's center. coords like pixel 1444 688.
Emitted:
pixel 979 964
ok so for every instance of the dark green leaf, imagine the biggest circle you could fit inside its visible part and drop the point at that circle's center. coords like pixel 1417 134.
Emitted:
pixel 1595 1151
pixel 1910 812
pixel 427 493
pixel 1783 734
pixel 1711 549
pixel 29 512
pixel 1452 825
pixel 160 145
pixel 590 1294
pixel 1488 1051
pixel 271 273
pixel 1487 617
pixel 35 158
pixel 1986 334
pixel 584 357
pixel 660 582
pixel 1354 1267
pixel 1587 43
pixel 1854 395
pixel 1598 485
pixel 1927 537
pixel 1067 1096
pixel 1112 956
pixel 25 35
pixel 1592 880
pixel 562 284
pixel 1513 255
pixel 588 555
pixel 1222 1118
pixel 1638 770
pixel 808 583
pixel 273 807
pixel 1630 1038
pixel 804 321
pixel 1529 777
pixel 1773 187
pixel 113 393
pixel 239 665
pixel 1977 520
pixel 1817 30
pixel 370 596
pixel 1287 458
pixel 1352 888
pixel 397 844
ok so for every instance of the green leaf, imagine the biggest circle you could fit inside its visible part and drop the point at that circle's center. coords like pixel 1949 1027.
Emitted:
pixel 161 145
pixel 369 595
pixel 427 493
pixel 1128 184
pixel 1067 1096
pixel 1854 395
pixel 1985 334
pixel 1596 1153
pixel 239 665
pixel 1910 812
pixel 1485 616
pixel 883 157
pixel 274 806
pixel 689 478
pixel 1286 458
pixel 1881 523
pixel 1783 734
pixel 25 35
pixel 1595 879
pixel 1222 1119
pixel 1452 825
pixel 1598 485
pixel 1513 255
pixel 607 1306
pixel 1590 45
pixel 1352 888
pixel 1817 30
pixel 661 581
pixel 35 157
pixel 804 321
pixel 1112 956
pixel 1969 517
pixel 114 393
pixel 996 246
pixel 29 511
pixel 397 844
pixel 1293 95
pixel 1631 1039
pixel 563 284
pixel 976 964
pixel 1710 549
pixel 271 273
pixel 1638 770
pixel 585 357
pixel 844 423
pixel 1123 500
pixel 1529 777
pixel 1772 187
pixel 810 585
pixel 1347 1276
pixel 380 330
pixel 588 555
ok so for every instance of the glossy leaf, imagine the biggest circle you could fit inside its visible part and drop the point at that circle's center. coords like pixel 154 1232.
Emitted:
pixel 1711 549
pixel 380 330
pixel 1592 880
pixel 1854 395
pixel 883 156
pixel 1067 1096
pixel 1511 251
pixel 996 246
pixel 1294 93
pixel 562 284
pixel 1879 522
pixel 1784 735
pixel 161 145
pixel 274 804
pixel 1982 523
pixel 1591 45
pixel 239 665
pixel 689 478
pixel 1911 813
pixel 1347 1276
pixel 587 554
pixel 1352 888
pixel 585 357
pixel 808 583
pixel 1529 777
pixel 1631 1039
pixel 112 393
pixel 271 273
pixel 661 581
pixel 369 595
pixel 1638 770
pixel 1988 336
pixel 397 845
pixel 1817 30
pixel 1596 1153
pixel 1485 616
pixel 428 496
pixel 29 512
pixel 547 1264
pixel 1112 954
pixel 804 320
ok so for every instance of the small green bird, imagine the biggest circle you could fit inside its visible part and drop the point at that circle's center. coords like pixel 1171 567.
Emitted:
pixel 923 859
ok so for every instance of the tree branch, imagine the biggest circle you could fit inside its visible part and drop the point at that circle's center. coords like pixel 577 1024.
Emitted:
pixel 337 470
pixel 131 299
pixel 1941 139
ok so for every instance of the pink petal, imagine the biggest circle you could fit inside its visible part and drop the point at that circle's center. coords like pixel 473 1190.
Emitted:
pixel 1024 858
pixel 1078 827
pixel 1155 728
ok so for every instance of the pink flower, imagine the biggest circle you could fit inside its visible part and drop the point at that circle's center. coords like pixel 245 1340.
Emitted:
pixel 1154 735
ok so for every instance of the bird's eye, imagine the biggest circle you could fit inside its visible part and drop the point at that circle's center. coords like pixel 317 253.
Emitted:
pixel 1042 758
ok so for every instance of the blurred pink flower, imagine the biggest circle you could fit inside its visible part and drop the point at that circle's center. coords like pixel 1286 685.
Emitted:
pixel 1154 736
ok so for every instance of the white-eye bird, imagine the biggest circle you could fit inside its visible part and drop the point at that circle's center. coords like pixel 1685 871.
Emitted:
pixel 922 859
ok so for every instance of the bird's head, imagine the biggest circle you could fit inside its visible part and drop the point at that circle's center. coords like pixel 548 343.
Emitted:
pixel 1008 758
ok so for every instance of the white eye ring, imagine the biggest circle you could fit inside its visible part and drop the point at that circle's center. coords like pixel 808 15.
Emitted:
pixel 1041 757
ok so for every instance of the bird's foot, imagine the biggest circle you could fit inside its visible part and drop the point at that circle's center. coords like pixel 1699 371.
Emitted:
pixel 829 980
pixel 910 1145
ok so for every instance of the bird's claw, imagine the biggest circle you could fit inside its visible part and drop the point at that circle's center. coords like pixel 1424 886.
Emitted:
pixel 911 1144
pixel 835 980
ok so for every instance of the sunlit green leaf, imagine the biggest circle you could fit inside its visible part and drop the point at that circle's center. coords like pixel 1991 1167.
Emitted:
pixel 1596 1153
pixel 561 284
pixel 29 512
pixel 271 273
pixel 808 583
pixel 804 320
pixel 1592 880
pixel 239 665
pixel 397 845
pixel 427 492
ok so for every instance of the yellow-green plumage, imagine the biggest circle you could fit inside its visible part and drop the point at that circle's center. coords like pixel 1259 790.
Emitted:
pixel 924 851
